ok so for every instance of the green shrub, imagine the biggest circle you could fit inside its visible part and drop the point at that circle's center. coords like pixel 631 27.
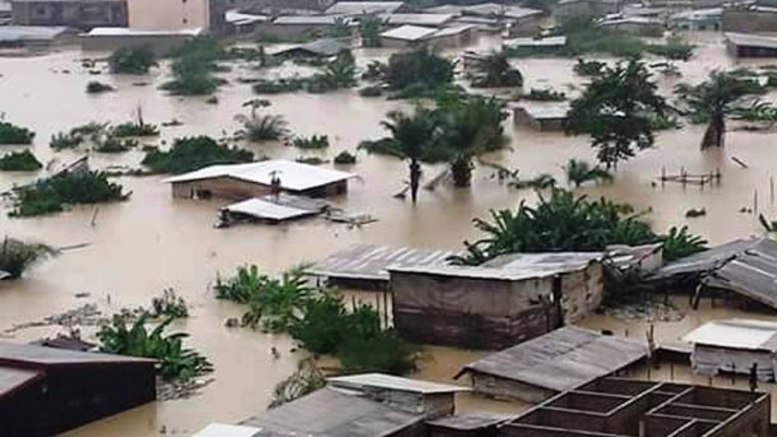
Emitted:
pixel 384 353
pixel 419 67
pixel 53 194
pixel 312 142
pixel 63 140
pixel 16 256
pixel 20 161
pixel 305 380
pixel 95 87
pixel 194 63
pixel 278 86
pixel 169 304
pixel 176 363
pixel 241 287
pixel 132 129
pixel 679 243
pixel 589 68
pixel 345 158
pixel 371 91
pixel 132 60
pixel 11 134
pixel 115 145
pixel 193 153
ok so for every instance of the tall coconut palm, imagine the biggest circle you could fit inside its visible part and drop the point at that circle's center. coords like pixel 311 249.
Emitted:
pixel 712 100
pixel 471 126
pixel 412 136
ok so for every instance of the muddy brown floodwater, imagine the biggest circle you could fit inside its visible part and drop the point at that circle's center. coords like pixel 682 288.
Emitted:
pixel 139 247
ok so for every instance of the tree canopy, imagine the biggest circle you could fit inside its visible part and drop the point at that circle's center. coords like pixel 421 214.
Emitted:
pixel 193 153
pixel 617 109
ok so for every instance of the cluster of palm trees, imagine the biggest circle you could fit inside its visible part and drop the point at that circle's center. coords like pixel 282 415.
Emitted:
pixel 459 129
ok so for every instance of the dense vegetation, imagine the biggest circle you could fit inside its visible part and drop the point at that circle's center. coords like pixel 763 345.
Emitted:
pixel 12 134
pixel 580 172
pixel 17 256
pixel 345 158
pixel 565 222
pixel 495 71
pixel 20 161
pixel 259 128
pixel 132 60
pixel 318 319
pixel 617 109
pixel 193 66
pixel 53 194
pixel 131 337
pixel 417 69
pixel 135 129
pixel 311 142
pixel 192 153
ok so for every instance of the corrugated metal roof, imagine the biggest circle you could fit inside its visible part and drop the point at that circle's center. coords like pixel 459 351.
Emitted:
pixel 551 41
pixel 470 421
pixel 409 33
pixel 13 379
pixel 751 40
pixel 370 262
pixel 18 353
pixel 698 14
pixel 266 210
pixel 545 110
pixel 328 412
pixel 223 430
pixel 390 382
pixel 364 8
pixel 453 30
pixel 30 33
pixel 563 359
pixel 703 262
pixel 487 10
pixel 294 176
pixel 319 47
pixel 237 18
pixel 736 334
pixel 126 31
pixel 418 19
pixel 307 19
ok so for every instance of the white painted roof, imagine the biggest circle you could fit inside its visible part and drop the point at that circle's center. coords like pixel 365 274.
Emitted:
pixel 409 33
pixel 307 19
pixel 126 31
pixel 750 40
pixel 453 30
pixel 380 380
pixel 357 8
pixel 551 41
pixel 545 110
pixel 487 10
pixel 418 19
pixel 223 430
pixel 238 18
pixel 736 334
pixel 294 176
pixel 263 209
pixel 30 33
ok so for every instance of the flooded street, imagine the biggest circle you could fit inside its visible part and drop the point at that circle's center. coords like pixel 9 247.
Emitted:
pixel 152 242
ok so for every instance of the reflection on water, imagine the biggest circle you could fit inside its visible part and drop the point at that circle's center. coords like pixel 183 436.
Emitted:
pixel 140 247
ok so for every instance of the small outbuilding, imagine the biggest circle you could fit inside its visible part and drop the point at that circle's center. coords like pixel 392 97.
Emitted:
pixel 365 266
pixel 504 302
pixel 162 42
pixel 558 361
pixel 320 48
pixel 255 179
pixel 409 36
pixel 734 346
pixel 271 209
pixel 46 391
pixel 746 45
pixel 542 116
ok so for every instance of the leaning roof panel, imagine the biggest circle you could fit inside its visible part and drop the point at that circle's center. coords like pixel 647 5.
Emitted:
pixel 390 382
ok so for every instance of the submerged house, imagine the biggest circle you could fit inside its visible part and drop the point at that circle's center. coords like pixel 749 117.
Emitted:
pixel 506 301
pixel 366 405
pixel 542 116
pixel 254 179
pixel 734 346
pixel 561 360
pixel 745 270
pixel 698 20
pixel 614 407
pixel 46 391
pixel 745 45
pixel 298 26
pixel 409 36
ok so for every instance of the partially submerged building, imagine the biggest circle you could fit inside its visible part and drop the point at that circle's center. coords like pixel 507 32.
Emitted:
pixel 568 9
pixel 243 181
pixel 410 36
pixel 366 266
pixel 734 346
pixel 80 14
pixel 745 270
pixel 506 301
pixel 162 42
pixel 749 18
pixel 427 20
pixel 36 37
pixel 301 26
pixel 696 20
pixel 542 116
pixel 323 48
pixel 46 391
pixel 517 20
pixel 356 9
pixel 613 407
pixel 271 209
pixel 742 45
pixel 562 360
pixel 636 24
pixel 366 405
pixel 546 45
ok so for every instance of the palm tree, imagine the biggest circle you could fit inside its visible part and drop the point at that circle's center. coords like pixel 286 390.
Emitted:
pixel 341 72
pixel 412 136
pixel 16 256
pixel 579 172
pixel 471 126
pixel 261 127
pixel 370 28
pixel 712 100
pixel 495 71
